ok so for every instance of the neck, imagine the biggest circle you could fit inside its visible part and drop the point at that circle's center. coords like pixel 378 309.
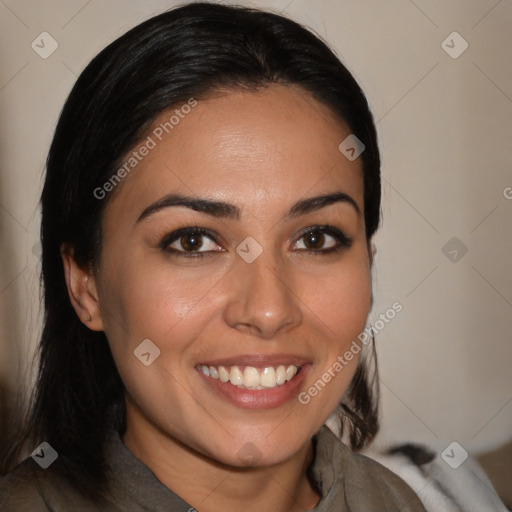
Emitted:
pixel 210 486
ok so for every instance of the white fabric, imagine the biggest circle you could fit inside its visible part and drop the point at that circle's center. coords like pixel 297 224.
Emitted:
pixel 441 488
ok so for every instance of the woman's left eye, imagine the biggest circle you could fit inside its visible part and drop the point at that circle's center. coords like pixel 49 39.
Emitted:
pixel 322 239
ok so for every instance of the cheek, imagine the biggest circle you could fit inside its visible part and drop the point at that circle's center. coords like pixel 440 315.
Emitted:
pixel 340 310
pixel 342 302
pixel 171 308
pixel 152 299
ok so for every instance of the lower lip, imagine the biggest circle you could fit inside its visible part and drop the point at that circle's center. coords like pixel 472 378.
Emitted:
pixel 258 398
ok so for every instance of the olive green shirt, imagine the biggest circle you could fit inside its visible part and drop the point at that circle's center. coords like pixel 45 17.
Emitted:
pixel 348 482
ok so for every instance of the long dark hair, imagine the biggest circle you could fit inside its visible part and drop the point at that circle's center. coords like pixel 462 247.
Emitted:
pixel 184 53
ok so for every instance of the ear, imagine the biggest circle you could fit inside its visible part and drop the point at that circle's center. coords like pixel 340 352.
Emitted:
pixel 372 250
pixel 82 291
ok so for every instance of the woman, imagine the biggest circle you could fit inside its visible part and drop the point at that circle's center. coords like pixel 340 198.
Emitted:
pixel 211 194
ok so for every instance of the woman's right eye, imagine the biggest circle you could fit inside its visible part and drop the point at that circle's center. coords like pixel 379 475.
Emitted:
pixel 191 242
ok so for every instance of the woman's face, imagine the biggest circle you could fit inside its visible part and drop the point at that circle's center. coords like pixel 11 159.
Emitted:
pixel 275 280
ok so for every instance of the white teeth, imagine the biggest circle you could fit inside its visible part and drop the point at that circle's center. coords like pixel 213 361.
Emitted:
pixel 268 377
pixel 223 374
pixel 235 376
pixel 290 372
pixel 251 377
pixel 280 375
pixel 213 372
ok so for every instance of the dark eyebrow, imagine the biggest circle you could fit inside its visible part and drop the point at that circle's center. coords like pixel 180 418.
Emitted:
pixel 214 208
pixel 312 204
pixel 226 210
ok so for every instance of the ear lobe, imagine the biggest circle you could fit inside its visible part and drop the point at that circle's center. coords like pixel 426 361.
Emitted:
pixel 372 251
pixel 82 291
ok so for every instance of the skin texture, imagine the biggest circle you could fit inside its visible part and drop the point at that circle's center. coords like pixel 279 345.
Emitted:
pixel 261 151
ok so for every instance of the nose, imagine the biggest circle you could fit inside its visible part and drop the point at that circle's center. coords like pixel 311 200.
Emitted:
pixel 262 300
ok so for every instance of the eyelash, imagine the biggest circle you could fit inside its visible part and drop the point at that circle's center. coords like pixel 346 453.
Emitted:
pixel 343 241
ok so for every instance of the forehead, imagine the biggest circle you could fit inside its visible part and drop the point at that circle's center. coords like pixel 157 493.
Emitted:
pixel 246 147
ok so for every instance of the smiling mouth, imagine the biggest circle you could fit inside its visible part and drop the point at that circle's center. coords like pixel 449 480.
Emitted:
pixel 250 377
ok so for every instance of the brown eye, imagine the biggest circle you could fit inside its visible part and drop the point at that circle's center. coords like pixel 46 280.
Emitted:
pixel 314 240
pixel 322 240
pixel 191 242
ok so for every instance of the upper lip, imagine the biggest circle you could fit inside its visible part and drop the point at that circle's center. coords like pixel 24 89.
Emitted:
pixel 257 360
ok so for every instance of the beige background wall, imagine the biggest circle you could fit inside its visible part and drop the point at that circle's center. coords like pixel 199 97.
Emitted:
pixel 445 127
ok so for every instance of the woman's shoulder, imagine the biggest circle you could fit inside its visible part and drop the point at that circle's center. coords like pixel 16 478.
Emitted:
pixel 358 481
pixel 22 488
pixel 60 487
pixel 32 488
pixel 18 490
pixel 384 484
